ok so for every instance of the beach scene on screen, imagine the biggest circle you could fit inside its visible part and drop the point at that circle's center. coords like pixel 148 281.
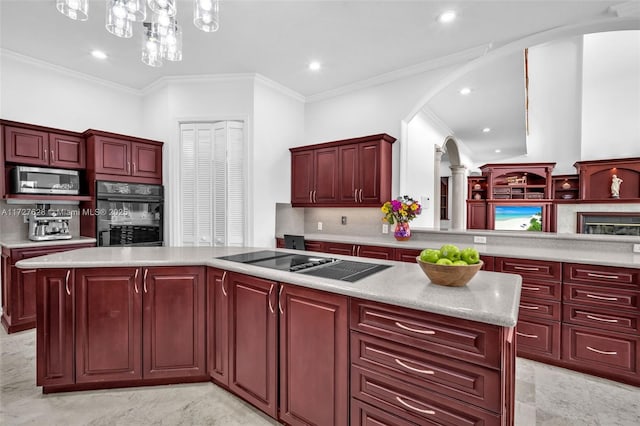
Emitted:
pixel 518 218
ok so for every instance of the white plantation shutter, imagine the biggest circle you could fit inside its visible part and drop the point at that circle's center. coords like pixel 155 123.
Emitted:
pixel 213 183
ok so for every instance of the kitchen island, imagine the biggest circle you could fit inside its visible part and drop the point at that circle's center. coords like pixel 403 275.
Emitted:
pixel 389 346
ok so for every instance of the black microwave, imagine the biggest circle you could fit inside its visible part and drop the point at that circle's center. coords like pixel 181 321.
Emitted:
pixel 40 180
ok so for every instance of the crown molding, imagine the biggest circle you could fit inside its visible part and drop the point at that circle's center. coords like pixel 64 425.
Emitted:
pixel 6 53
pixel 280 88
pixel 628 8
pixel 453 59
pixel 437 122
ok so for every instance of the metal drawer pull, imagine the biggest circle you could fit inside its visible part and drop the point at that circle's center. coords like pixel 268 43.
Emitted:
pixel 144 280
pixel 53 158
pixel 531 288
pixel 355 195
pixel 269 297
pixel 602 352
pixel 417 370
pixel 224 276
pixel 415 330
pixel 593 296
pixel 531 336
pixel 66 282
pixel 280 299
pixel 525 268
pixel 533 308
pixel 135 281
pixel 420 410
pixel 611 277
pixel 601 319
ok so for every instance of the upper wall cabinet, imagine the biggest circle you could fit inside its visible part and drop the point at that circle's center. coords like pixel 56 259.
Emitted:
pixel 40 147
pixel 596 179
pixel 346 173
pixel 123 158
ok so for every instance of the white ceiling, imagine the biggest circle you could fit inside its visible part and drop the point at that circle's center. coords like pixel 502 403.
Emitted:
pixel 354 40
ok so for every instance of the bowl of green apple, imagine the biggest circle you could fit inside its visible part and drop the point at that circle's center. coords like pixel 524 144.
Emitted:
pixel 450 266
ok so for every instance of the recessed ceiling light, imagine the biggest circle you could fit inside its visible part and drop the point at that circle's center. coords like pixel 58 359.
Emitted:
pixel 314 66
pixel 465 91
pixel 447 16
pixel 498 151
pixel 486 130
pixel 99 54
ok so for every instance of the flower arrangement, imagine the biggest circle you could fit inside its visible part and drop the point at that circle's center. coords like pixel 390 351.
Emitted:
pixel 401 210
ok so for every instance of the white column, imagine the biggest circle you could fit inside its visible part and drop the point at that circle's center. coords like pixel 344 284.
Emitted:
pixel 436 183
pixel 457 196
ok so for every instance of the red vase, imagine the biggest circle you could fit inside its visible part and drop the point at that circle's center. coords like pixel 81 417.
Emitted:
pixel 402 231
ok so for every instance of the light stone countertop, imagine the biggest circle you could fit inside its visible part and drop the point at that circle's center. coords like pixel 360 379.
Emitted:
pixel 14 243
pixel 592 256
pixel 490 297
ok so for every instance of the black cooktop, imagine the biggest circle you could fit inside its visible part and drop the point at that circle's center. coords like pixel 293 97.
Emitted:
pixel 323 267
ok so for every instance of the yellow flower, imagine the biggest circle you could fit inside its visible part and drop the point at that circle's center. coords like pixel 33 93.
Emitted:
pixel 414 207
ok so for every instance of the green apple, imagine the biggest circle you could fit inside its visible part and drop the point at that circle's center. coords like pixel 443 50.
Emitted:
pixel 444 261
pixel 450 251
pixel 430 255
pixel 470 255
pixel 460 263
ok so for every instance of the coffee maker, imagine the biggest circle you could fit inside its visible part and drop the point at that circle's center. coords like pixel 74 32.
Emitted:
pixel 47 224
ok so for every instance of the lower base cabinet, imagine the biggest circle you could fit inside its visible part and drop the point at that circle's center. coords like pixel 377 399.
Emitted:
pixel 123 326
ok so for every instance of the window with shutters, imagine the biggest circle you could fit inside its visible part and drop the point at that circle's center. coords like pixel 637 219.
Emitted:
pixel 213 183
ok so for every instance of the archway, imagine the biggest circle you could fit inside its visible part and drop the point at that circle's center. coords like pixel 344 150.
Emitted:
pixel 450 152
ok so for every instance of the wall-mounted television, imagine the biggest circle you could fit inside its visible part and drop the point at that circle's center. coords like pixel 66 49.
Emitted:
pixel 518 218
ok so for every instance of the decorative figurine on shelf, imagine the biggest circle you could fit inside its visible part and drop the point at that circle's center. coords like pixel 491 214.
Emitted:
pixel 615 186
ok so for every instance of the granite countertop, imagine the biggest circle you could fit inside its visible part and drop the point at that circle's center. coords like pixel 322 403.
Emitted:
pixel 490 297
pixel 524 251
pixel 13 243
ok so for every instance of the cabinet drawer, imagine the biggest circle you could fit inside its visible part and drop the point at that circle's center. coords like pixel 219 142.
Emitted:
pixel 602 350
pixel 451 337
pixel 535 269
pixel 604 297
pixel 407 255
pixel 415 404
pixel 20 254
pixel 457 379
pixel 367 415
pixel 542 289
pixel 313 246
pixel 538 337
pixel 539 308
pixel 625 278
pixel 624 322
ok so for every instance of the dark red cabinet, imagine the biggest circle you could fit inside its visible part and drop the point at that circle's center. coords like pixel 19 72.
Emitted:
pixel 54 337
pixel 19 285
pixel 218 326
pixel 42 148
pixel 253 341
pixel 146 160
pixel 314 176
pixel 108 325
pixel 112 156
pixel 314 378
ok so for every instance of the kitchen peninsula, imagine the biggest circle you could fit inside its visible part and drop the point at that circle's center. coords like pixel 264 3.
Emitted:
pixel 389 346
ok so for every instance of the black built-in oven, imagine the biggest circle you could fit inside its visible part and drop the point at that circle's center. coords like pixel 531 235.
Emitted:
pixel 129 214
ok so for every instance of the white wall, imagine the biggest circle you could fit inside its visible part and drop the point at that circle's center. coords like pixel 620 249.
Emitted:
pixel 38 93
pixel 611 95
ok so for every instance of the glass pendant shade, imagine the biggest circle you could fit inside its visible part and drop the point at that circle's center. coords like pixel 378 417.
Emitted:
pixel 165 6
pixel 172 44
pixel 205 15
pixel 137 10
pixel 151 45
pixel 117 21
pixel 74 9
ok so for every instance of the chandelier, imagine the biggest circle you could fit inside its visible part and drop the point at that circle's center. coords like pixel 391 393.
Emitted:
pixel 161 35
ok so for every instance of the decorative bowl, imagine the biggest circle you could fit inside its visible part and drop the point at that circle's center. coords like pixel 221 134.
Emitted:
pixel 449 275
pixel 567 196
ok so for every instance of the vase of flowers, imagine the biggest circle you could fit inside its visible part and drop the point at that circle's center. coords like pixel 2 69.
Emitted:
pixel 400 212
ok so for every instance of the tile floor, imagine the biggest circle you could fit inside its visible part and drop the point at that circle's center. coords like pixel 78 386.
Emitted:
pixel 545 395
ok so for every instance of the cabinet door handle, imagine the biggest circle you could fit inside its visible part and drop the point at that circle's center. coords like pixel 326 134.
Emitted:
pixel 53 158
pixel 602 352
pixel 531 288
pixel 355 195
pixel 315 200
pixel 311 196
pixel 44 152
pixel 269 297
pixel 531 336
pixel 280 299
pixel 224 276
pixel 353 250
pixel 134 167
pixel 533 308
pixel 144 280
pixel 593 296
pixel 66 282
pixel 610 277
pixel 135 281
pixel 526 268
pixel 601 319
pixel 129 167
pixel 360 194
pixel 419 410
pixel 415 330
pixel 417 370
pixel 358 253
